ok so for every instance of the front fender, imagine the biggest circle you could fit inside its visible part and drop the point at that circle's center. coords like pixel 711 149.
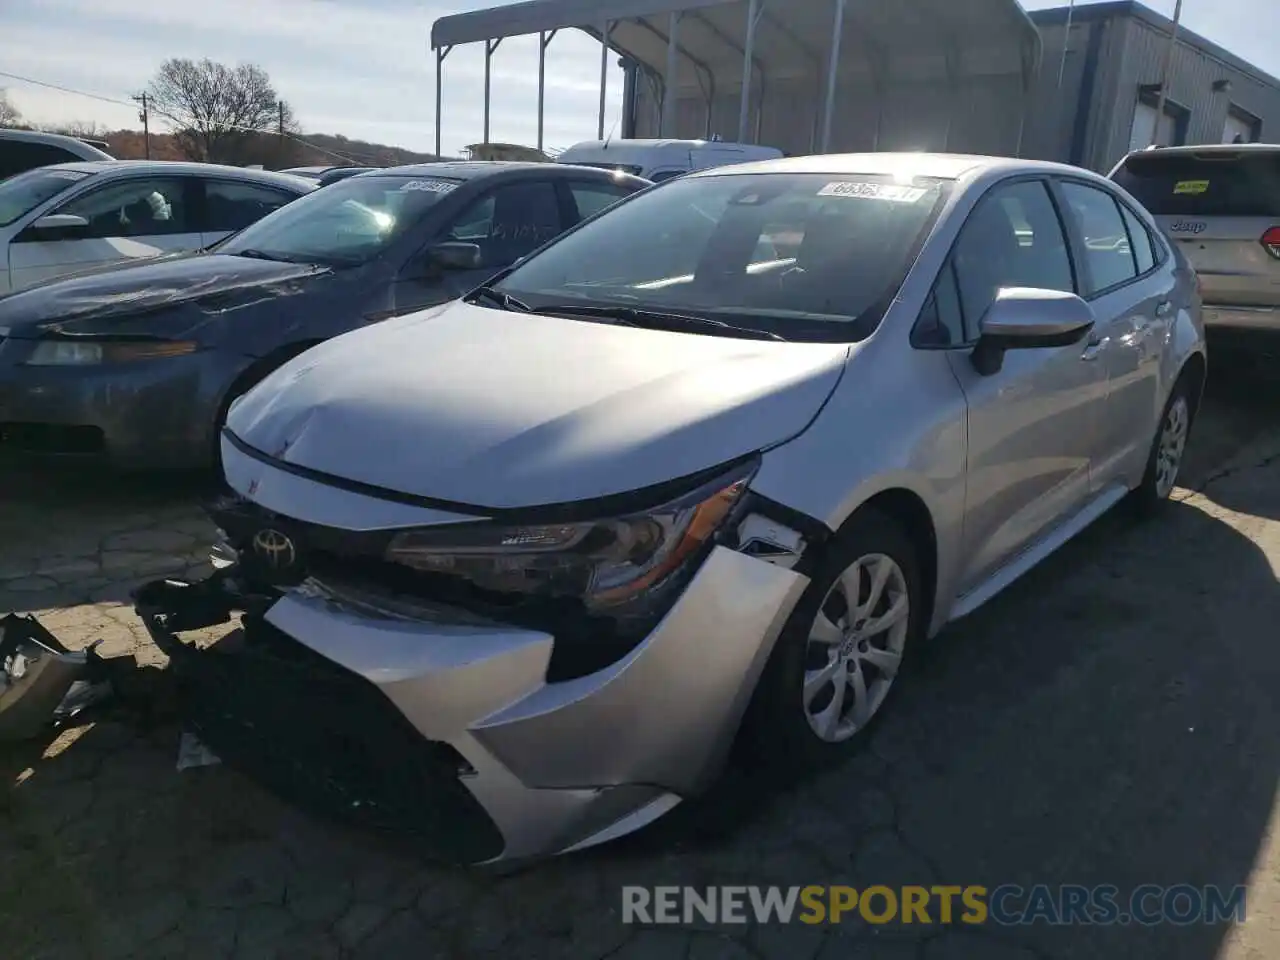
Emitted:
pixel 895 422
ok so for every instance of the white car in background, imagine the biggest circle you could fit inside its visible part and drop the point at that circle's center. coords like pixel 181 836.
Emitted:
pixel 23 150
pixel 660 160
pixel 71 217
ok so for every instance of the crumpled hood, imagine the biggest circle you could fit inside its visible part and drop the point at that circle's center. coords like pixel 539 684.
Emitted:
pixel 99 301
pixel 506 410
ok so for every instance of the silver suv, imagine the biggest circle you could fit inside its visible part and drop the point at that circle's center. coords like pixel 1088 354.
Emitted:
pixel 1221 205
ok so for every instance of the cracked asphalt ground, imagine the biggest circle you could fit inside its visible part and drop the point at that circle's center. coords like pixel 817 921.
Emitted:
pixel 1111 719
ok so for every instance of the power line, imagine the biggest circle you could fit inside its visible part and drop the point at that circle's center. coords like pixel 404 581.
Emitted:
pixel 132 105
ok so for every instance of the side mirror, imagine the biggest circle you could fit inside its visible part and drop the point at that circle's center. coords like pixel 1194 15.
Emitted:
pixel 1027 318
pixel 456 255
pixel 60 223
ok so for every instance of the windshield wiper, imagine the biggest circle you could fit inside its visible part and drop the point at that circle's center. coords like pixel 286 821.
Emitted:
pixel 504 300
pixel 261 255
pixel 656 319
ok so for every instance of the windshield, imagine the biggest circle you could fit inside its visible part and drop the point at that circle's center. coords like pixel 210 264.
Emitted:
pixel 345 224
pixel 1211 184
pixel 21 194
pixel 805 256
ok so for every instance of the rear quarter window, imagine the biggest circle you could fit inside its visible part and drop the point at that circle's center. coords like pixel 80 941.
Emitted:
pixel 1205 185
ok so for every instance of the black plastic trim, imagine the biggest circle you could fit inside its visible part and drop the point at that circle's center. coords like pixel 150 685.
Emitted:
pixel 815 532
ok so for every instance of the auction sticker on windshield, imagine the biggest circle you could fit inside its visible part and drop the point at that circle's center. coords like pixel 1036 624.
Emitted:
pixel 893 192
pixel 429 186
pixel 1191 187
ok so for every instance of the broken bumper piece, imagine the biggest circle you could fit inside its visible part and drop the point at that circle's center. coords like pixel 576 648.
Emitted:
pixel 41 681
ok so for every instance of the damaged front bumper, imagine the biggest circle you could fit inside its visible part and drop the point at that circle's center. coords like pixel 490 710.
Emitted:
pixel 446 732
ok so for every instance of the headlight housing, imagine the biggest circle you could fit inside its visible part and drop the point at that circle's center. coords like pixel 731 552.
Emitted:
pixel 79 353
pixel 607 564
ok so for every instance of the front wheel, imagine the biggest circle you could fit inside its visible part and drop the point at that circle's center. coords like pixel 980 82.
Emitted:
pixel 843 647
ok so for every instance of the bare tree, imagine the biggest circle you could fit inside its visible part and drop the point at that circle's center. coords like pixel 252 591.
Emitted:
pixel 78 128
pixel 10 116
pixel 221 114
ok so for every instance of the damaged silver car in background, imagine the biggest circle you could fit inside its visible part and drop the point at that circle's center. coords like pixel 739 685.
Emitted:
pixel 518 570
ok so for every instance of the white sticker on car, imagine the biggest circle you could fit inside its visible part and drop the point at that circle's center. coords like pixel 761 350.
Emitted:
pixel 428 186
pixel 894 192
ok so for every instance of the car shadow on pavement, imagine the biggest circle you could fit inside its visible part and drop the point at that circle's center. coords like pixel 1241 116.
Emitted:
pixel 1243 395
pixel 1109 720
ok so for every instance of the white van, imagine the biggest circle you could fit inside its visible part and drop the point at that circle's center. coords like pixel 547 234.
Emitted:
pixel 659 160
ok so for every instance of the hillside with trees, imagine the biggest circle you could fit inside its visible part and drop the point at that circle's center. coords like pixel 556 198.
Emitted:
pixel 207 111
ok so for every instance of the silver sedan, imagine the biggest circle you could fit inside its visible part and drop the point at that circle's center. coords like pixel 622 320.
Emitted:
pixel 545 552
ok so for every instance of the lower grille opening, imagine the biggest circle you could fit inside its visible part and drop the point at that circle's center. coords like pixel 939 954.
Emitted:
pixel 52 438
pixel 329 742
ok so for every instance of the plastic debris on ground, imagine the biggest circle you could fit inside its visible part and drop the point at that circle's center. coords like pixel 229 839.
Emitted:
pixel 192 753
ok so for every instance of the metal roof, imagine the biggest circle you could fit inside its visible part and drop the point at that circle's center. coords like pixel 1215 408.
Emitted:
pixel 889 39
pixel 941 166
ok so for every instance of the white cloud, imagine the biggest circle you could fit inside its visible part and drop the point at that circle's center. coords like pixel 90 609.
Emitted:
pixel 345 67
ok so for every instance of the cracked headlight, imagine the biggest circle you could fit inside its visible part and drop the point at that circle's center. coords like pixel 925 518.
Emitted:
pixel 605 563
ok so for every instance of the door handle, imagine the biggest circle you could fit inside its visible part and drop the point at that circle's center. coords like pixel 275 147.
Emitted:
pixel 1163 308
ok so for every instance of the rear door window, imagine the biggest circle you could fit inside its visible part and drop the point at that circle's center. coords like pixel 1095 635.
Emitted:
pixel 1106 239
pixel 1140 240
pixel 1218 184
pixel 231 206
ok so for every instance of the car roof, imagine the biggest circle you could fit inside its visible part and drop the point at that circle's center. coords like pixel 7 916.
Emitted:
pixel 187 168
pixel 82 147
pixel 476 169
pixel 1201 148
pixel 665 143
pixel 944 166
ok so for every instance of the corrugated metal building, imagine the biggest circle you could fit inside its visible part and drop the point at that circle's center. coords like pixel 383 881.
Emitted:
pixel 1106 102
pixel 911 75
pixel 802 75
pixel 977 76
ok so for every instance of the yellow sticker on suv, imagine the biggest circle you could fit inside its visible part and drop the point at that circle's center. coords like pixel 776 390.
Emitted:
pixel 1191 186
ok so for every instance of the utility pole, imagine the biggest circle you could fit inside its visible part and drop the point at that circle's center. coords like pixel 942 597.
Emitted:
pixel 280 133
pixel 1164 74
pixel 145 116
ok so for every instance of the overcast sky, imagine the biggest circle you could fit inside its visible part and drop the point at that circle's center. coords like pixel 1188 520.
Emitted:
pixel 363 68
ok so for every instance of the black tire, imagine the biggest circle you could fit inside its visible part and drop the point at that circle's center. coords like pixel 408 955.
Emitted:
pixel 777 730
pixel 1156 486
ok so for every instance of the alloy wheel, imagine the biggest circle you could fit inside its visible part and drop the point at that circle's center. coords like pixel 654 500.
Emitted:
pixel 855 647
pixel 1171 445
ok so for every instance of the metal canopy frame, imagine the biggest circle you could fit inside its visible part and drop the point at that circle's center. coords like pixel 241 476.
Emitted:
pixel 699 46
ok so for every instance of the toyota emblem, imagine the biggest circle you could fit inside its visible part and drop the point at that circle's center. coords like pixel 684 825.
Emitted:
pixel 275 549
